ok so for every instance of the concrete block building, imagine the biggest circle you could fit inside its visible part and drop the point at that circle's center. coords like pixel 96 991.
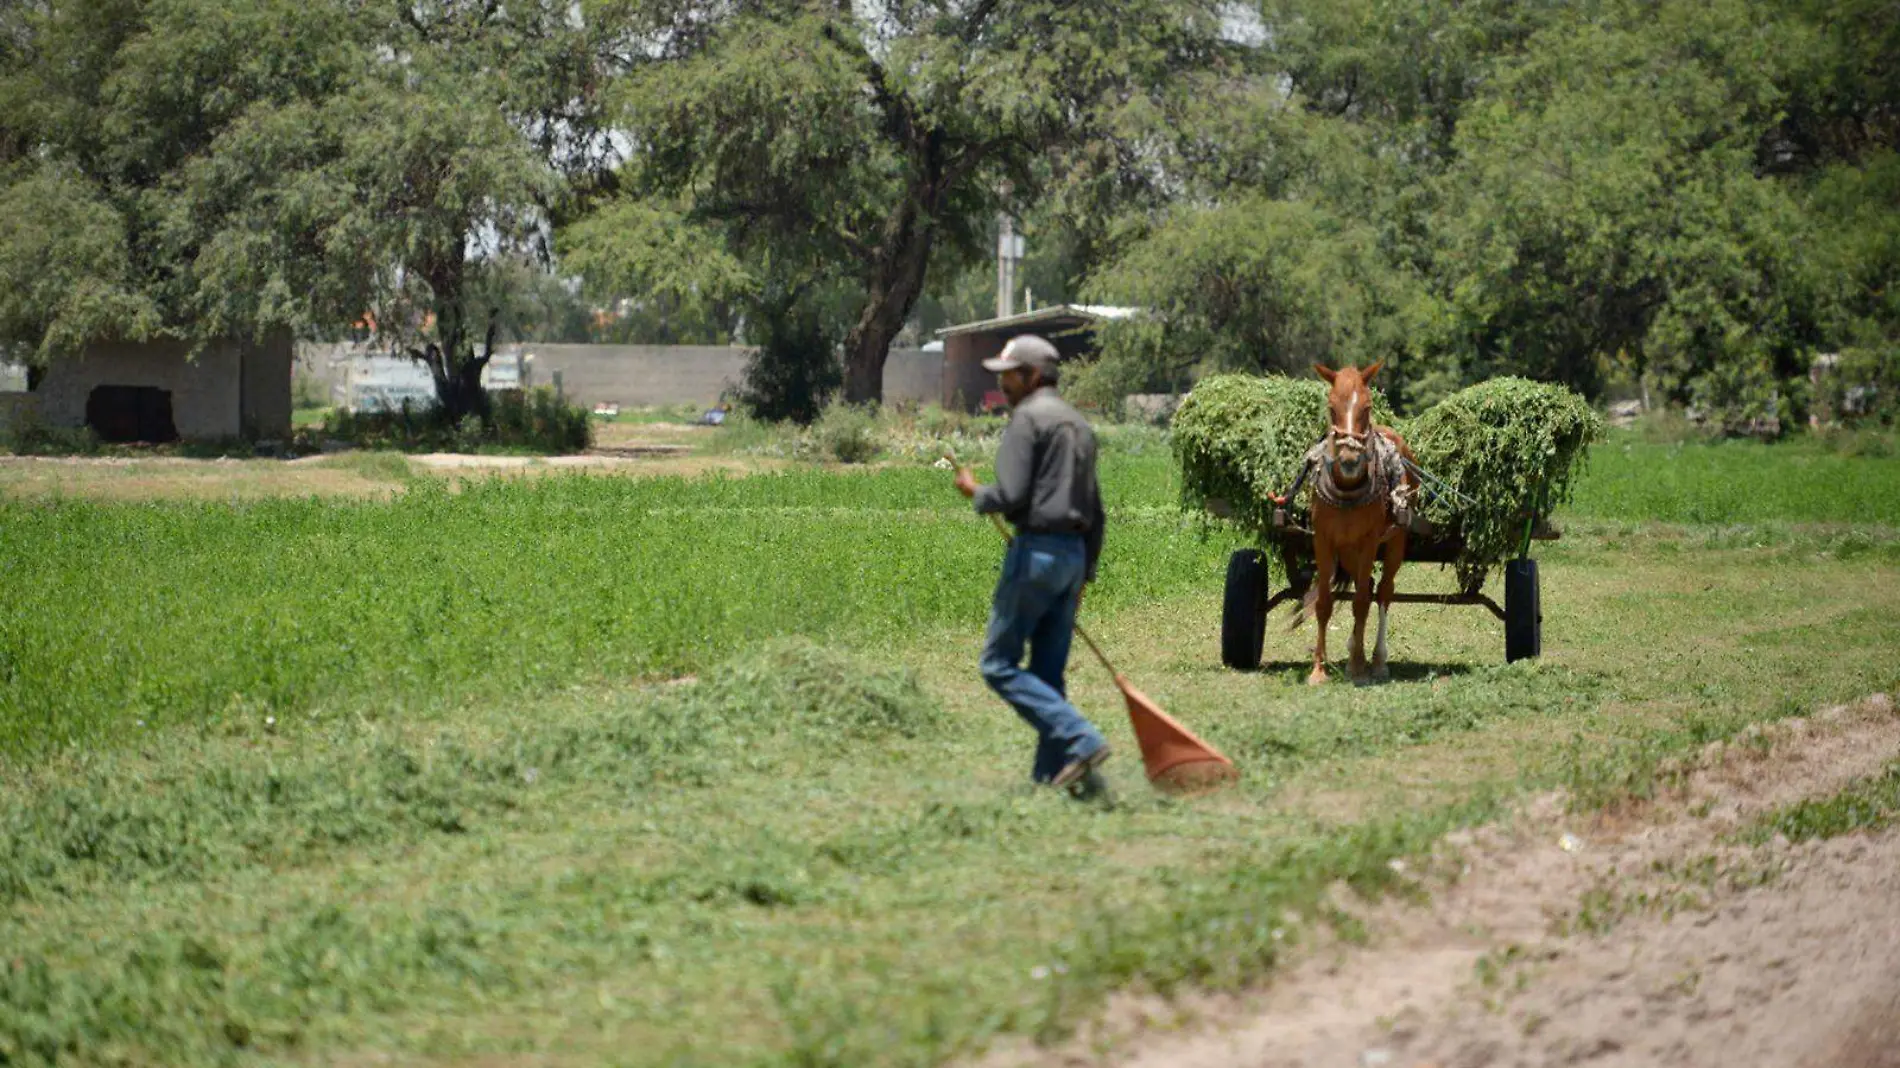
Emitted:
pixel 161 391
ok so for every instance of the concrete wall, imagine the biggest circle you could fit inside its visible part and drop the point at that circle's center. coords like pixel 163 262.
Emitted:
pixel 637 375
pixel 634 375
pixel 914 375
pixel 205 391
pixel 264 397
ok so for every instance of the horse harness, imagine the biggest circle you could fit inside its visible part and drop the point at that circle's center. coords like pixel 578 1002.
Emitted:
pixel 1384 481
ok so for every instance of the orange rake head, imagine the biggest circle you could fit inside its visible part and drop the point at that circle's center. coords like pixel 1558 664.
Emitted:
pixel 1177 761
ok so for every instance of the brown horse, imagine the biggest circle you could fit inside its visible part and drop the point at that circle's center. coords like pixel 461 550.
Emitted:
pixel 1358 473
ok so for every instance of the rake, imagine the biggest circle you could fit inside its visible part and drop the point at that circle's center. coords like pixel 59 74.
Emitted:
pixel 1175 758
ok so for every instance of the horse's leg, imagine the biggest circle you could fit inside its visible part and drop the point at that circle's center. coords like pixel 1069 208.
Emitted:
pixel 1361 604
pixel 1323 565
pixel 1394 556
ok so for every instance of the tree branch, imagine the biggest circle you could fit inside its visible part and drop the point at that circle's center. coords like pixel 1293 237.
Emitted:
pixel 488 341
pixel 973 23
pixel 900 117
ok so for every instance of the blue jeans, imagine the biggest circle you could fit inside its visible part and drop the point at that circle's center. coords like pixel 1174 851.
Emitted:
pixel 1035 604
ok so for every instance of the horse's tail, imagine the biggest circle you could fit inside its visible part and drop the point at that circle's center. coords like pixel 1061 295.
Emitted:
pixel 1341 583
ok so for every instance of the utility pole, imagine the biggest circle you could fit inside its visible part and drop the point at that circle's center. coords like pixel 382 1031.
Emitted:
pixel 1009 249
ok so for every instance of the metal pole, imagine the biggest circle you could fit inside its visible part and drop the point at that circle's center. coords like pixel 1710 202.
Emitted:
pixel 1005 267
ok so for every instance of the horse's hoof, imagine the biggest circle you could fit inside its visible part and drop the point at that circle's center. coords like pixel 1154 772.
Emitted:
pixel 1317 678
pixel 1381 673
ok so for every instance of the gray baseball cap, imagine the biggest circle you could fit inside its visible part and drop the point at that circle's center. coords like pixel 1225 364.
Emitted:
pixel 1023 350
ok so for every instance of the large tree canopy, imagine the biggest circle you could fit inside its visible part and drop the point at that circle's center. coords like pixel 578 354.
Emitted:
pixel 1621 188
pixel 212 168
pixel 1694 196
pixel 826 148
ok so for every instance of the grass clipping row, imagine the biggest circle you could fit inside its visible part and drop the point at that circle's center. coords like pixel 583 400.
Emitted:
pixel 1510 447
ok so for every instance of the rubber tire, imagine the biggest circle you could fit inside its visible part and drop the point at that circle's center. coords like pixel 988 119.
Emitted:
pixel 1243 620
pixel 1523 612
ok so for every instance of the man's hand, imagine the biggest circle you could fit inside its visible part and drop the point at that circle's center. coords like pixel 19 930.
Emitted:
pixel 966 482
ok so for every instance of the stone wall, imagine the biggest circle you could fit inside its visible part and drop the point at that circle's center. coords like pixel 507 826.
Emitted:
pixel 638 375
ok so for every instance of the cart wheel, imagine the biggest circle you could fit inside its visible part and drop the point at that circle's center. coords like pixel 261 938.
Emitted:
pixel 1523 612
pixel 1243 620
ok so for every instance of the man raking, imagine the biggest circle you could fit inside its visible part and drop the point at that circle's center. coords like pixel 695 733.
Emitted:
pixel 1046 488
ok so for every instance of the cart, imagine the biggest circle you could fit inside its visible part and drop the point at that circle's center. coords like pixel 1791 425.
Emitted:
pixel 1248 599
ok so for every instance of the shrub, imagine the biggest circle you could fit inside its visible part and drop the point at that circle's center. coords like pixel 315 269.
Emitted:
pixel 533 420
pixel 848 433
pixel 29 435
pixel 795 368
pixel 1862 388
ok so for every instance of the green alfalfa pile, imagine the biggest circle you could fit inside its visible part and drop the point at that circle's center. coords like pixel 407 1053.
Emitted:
pixel 1240 438
pixel 1512 449
pixel 1509 447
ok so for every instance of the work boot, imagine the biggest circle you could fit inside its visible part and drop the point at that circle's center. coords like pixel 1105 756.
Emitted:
pixel 1091 787
pixel 1080 766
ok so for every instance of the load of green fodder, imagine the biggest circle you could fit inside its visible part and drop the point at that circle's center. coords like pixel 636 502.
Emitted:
pixel 1240 438
pixel 1512 449
pixel 1506 446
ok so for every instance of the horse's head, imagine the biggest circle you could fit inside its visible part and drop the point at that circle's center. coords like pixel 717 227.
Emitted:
pixel 1351 406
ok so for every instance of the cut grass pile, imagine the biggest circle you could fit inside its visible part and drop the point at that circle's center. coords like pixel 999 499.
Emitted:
pixel 687 853
pixel 1509 448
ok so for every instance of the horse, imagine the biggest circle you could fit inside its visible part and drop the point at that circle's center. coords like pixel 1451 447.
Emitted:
pixel 1359 478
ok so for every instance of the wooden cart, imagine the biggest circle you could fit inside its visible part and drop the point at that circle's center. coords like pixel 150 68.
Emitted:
pixel 1248 598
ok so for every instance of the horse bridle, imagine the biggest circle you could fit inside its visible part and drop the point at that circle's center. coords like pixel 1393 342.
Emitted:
pixel 1360 441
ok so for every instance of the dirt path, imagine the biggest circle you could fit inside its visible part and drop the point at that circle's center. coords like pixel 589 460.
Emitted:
pixel 1653 939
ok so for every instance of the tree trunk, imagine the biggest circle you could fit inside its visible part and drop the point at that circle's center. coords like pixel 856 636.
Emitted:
pixel 896 280
pixel 452 361
pixel 460 391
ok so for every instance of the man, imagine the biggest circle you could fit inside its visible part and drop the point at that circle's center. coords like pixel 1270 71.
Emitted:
pixel 1046 487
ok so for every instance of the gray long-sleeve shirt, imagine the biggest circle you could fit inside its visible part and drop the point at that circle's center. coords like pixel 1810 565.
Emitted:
pixel 1045 474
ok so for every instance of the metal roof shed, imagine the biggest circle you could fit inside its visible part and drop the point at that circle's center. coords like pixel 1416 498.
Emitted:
pixel 1070 327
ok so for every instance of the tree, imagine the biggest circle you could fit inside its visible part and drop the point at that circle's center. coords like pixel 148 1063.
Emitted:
pixel 1303 192
pixel 104 103
pixel 1607 200
pixel 407 195
pixel 814 144
pixel 1695 191
pixel 239 167
pixel 1254 285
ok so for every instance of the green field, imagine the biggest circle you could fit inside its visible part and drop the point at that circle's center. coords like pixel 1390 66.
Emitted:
pixel 323 781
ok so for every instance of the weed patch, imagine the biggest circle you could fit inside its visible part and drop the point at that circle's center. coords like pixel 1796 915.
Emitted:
pixel 1870 805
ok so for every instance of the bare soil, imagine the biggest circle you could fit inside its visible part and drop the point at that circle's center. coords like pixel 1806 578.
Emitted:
pixel 1646 937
